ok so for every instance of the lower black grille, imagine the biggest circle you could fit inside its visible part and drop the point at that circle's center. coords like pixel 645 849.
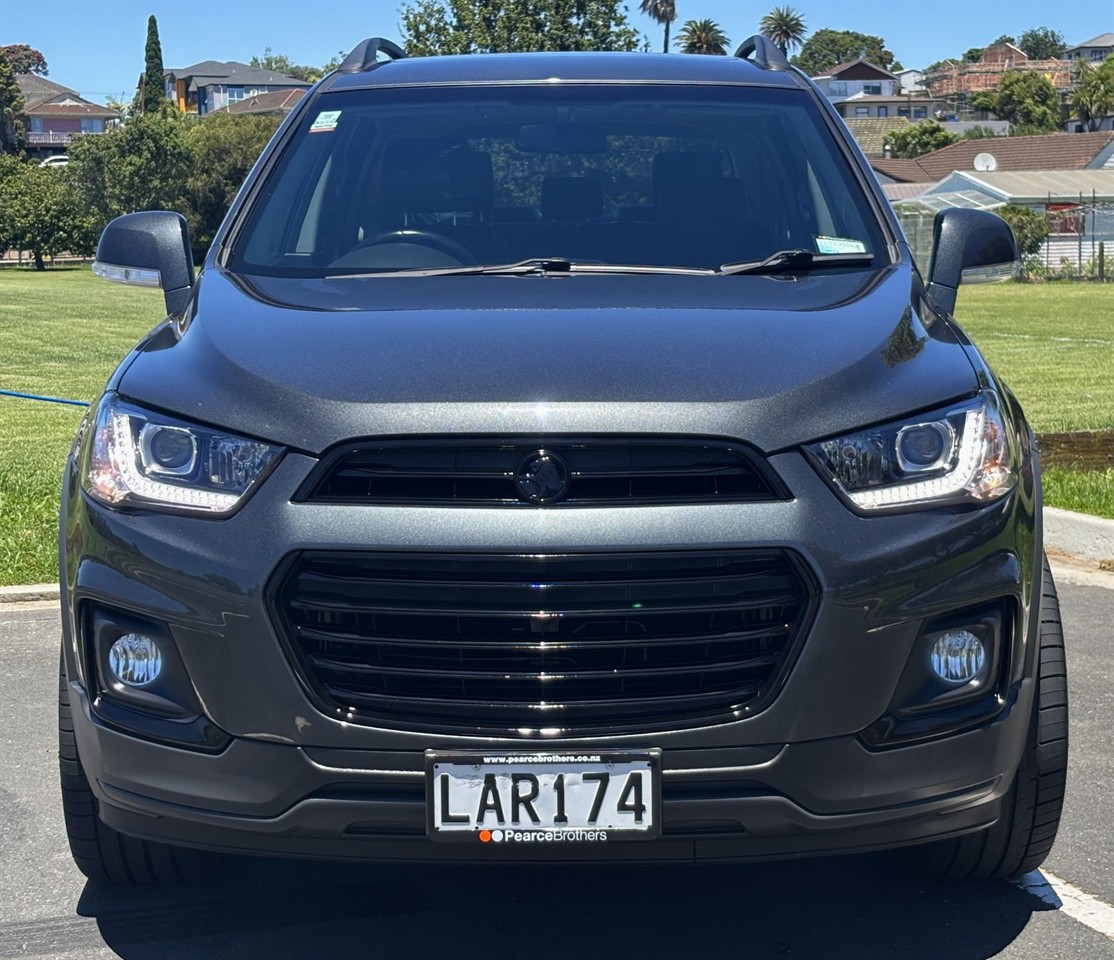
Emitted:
pixel 535 645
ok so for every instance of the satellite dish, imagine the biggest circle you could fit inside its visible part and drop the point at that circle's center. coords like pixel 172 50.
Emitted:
pixel 985 162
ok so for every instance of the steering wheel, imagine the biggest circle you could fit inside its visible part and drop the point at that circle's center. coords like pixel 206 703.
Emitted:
pixel 424 238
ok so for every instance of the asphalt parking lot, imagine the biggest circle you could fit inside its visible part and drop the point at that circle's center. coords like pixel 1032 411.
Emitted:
pixel 847 907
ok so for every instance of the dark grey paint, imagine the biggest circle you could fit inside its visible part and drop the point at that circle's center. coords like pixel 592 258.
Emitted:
pixel 772 361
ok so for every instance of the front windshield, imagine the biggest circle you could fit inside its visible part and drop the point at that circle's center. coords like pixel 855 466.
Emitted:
pixel 387 180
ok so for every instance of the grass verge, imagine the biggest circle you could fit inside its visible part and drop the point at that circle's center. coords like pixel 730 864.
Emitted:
pixel 63 331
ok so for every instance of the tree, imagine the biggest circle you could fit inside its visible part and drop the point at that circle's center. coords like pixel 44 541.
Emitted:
pixel 917 139
pixel 152 86
pixel 978 132
pixel 1030 230
pixel 1005 38
pixel 826 48
pixel 433 27
pixel 280 63
pixel 664 12
pixel 36 213
pixel 11 107
pixel 1093 99
pixel 1042 43
pixel 1025 98
pixel 974 55
pixel 25 59
pixel 702 36
pixel 141 165
pixel 785 26
pixel 222 148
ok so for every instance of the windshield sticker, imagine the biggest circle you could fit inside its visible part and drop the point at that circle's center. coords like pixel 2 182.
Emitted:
pixel 326 121
pixel 839 245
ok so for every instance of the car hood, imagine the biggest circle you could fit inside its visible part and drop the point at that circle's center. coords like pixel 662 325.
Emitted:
pixel 772 360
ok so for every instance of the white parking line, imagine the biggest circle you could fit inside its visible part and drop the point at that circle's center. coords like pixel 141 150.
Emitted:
pixel 997 334
pixel 1088 910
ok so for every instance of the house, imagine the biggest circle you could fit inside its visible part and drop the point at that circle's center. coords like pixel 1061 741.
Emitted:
pixel 53 115
pixel 911 81
pixel 864 105
pixel 860 89
pixel 955 79
pixel 276 102
pixel 1094 50
pixel 1050 151
pixel 1077 204
pixel 211 85
pixel 856 76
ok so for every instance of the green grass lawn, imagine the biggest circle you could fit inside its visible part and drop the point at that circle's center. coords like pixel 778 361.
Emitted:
pixel 1053 344
pixel 63 331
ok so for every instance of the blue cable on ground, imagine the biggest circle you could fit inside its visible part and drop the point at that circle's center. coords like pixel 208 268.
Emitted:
pixel 32 396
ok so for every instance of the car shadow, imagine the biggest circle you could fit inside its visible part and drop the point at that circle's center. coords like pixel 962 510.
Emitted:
pixel 854 907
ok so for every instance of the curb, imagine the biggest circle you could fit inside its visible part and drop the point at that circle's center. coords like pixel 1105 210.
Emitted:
pixel 1078 535
pixel 29 594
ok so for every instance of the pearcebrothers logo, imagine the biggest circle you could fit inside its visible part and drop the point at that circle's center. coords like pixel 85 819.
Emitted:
pixel 542 836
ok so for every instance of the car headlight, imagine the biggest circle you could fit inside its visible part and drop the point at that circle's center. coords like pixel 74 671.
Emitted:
pixel 139 457
pixel 961 454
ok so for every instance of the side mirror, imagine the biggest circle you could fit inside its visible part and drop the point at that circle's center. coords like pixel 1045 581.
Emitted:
pixel 964 240
pixel 149 249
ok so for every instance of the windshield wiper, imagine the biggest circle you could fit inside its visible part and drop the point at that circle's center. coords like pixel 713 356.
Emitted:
pixel 544 266
pixel 794 260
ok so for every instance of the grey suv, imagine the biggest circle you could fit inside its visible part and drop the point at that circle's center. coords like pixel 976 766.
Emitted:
pixel 557 457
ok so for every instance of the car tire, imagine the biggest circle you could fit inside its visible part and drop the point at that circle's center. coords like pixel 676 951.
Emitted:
pixel 101 853
pixel 1023 836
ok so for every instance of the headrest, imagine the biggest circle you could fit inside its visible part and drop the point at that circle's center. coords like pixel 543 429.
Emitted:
pixel 431 176
pixel 675 172
pixel 574 199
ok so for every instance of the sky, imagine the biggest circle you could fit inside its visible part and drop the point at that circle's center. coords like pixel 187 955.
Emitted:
pixel 97 46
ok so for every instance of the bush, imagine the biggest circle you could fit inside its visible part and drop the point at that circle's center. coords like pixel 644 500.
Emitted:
pixel 1030 230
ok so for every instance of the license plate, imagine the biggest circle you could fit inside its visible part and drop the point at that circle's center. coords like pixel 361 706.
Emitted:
pixel 531 798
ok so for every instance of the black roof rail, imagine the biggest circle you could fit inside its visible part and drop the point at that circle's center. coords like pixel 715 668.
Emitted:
pixel 766 54
pixel 364 55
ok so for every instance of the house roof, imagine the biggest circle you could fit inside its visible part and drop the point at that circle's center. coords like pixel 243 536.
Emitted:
pixel 1050 151
pixel 277 101
pixel 45 98
pixel 883 98
pixel 847 65
pixel 901 170
pixel 904 191
pixel 870 132
pixel 968 188
pixel 67 105
pixel 210 72
pixel 1102 40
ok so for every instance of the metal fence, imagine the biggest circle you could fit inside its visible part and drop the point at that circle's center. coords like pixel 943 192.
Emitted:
pixel 1080 240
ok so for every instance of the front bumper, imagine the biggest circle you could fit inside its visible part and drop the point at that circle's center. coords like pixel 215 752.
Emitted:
pixel 795 779
pixel 745 803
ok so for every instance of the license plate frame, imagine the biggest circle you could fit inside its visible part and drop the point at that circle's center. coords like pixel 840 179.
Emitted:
pixel 475 767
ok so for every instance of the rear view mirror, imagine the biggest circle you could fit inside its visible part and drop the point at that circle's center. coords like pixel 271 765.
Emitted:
pixel 971 245
pixel 149 249
pixel 559 138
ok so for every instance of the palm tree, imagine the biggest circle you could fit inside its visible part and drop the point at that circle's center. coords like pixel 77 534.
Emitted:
pixel 785 26
pixel 1093 98
pixel 702 36
pixel 664 12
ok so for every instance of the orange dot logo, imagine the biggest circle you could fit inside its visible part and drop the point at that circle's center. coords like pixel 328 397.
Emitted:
pixel 485 836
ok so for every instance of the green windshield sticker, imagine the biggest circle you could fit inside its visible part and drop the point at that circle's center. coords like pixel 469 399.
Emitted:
pixel 839 245
pixel 326 121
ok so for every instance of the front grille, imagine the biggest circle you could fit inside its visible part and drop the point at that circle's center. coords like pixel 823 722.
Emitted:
pixel 542 644
pixel 481 471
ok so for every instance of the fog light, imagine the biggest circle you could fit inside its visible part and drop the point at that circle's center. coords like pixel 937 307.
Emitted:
pixel 135 660
pixel 958 656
